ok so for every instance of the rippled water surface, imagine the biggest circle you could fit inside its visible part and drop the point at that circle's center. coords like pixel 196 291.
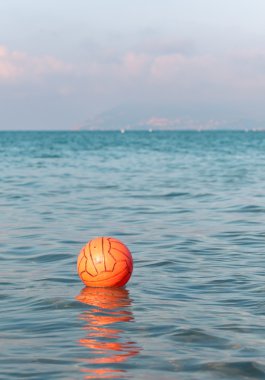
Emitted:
pixel 191 208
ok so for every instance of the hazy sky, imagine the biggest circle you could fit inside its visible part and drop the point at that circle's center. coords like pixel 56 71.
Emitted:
pixel 63 61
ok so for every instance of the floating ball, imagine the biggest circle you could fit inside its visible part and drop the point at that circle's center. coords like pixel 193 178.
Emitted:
pixel 105 262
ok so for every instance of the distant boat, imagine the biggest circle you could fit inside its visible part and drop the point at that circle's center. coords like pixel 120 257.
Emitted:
pixel 122 130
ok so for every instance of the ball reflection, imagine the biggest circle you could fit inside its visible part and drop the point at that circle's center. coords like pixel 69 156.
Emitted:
pixel 106 325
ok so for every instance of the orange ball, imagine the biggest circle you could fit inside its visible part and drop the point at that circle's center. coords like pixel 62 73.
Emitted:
pixel 105 262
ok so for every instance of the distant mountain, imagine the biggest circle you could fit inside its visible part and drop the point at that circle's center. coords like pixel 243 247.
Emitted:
pixel 139 117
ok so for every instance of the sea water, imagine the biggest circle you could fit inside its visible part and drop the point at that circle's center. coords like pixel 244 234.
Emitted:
pixel 191 208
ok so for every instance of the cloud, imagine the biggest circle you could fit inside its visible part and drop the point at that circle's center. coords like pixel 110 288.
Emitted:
pixel 134 64
pixel 234 73
pixel 144 67
pixel 170 72
pixel 18 66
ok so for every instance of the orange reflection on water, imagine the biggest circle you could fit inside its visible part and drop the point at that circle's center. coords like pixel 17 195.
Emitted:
pixel 105 327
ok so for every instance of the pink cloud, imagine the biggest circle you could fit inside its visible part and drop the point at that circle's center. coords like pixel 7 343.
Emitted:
pixel 18 65
pixel 134 64
pixel 165 67
pixel 143 73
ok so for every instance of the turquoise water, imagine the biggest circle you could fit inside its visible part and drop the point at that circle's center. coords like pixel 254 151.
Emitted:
pixel 191 208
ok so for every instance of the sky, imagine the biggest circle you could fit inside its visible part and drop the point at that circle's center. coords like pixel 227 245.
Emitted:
pixel 66 61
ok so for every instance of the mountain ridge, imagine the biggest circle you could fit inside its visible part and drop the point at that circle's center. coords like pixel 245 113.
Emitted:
pixel 133 117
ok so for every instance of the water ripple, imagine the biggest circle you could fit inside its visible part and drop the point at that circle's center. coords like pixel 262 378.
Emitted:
pixel 191 208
